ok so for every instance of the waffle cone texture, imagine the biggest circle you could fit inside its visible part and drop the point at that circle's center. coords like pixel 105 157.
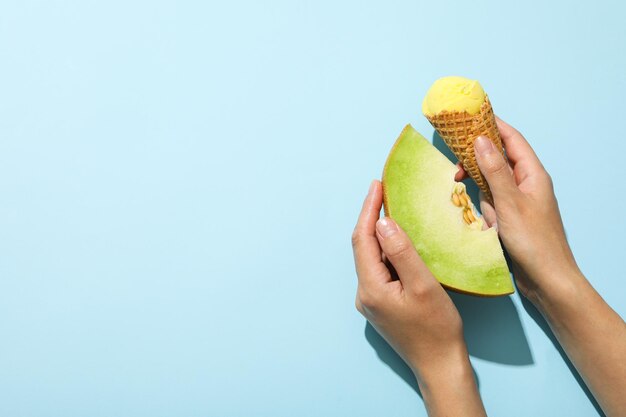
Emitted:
pixel 459 130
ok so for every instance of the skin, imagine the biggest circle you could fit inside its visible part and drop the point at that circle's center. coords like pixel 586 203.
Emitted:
pixel 409 308
pixel 403 301
pixel 527 217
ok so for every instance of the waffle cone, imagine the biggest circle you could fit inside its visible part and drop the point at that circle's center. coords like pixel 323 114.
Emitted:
pixel 459 130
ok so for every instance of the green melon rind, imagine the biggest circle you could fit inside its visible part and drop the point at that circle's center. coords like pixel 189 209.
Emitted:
pixel 417 184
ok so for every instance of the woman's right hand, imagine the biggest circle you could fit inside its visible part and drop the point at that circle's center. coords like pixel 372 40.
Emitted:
pixel 526 214
pixel 527 217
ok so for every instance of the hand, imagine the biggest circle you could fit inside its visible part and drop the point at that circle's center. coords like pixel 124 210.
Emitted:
pixel 525 213
pixel 411 310
pixel 527 217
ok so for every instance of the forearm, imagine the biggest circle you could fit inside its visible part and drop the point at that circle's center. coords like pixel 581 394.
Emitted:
pixel 592 335
pixel 449 388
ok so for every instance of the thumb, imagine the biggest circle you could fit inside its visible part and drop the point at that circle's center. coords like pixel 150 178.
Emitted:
pixel 495 169
pixel 399 249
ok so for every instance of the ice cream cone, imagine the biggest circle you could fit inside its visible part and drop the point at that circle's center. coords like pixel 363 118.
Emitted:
pixel 459 130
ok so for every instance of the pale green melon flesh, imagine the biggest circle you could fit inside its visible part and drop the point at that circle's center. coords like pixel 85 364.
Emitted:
pixel 418 182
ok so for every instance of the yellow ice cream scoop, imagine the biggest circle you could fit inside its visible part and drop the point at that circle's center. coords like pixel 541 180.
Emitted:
pixel 453 94
pixel 460 111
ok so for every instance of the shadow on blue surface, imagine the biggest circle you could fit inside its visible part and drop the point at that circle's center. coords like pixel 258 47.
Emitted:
pixel 493 329
pixel 390 358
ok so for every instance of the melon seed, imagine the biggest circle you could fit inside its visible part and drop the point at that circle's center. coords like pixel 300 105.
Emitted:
pixel 464 200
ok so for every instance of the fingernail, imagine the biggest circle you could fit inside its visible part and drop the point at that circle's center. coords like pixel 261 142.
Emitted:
pixel 386 227
pixel 483 146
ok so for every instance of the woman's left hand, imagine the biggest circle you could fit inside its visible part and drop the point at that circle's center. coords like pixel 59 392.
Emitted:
pixel 411 310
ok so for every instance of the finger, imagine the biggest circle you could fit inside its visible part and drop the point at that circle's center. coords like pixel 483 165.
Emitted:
pixel 488 212
pixel 460 174
pixel 517 147
pixel 367 253
pixel 519 152
pixel 400 251
pixel 495 169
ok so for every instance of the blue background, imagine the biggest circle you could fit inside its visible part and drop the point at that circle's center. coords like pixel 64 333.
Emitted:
pixel 179 181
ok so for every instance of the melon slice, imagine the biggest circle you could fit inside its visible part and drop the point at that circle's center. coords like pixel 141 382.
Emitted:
pixel 420 194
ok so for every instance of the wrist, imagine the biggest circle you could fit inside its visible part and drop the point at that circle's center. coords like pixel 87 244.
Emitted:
pixel 559 290
pixel 556 287
pixel 443 367
pixel 448 386
pixel 543 269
